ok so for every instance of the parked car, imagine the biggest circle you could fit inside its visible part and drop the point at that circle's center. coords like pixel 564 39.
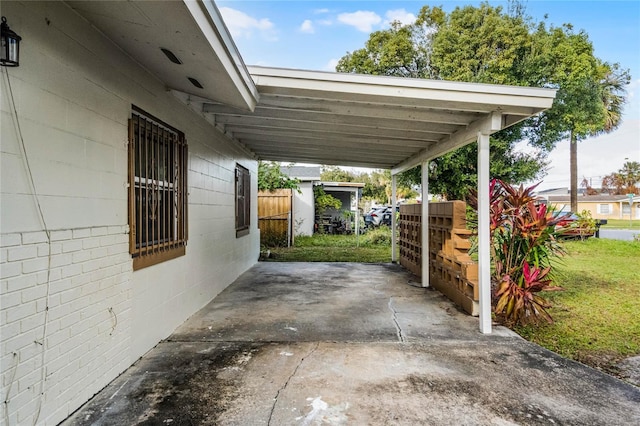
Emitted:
pixel 373 218
pixel 379 216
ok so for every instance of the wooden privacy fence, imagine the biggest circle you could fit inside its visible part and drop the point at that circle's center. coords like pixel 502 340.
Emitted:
pixel 274 217
pixel 451 270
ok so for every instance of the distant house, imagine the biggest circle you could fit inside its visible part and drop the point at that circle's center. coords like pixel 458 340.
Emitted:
pixel 303 202
pixel 554 191
pixel 600 206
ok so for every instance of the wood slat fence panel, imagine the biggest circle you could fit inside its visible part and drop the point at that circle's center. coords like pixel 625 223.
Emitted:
pixel 275 210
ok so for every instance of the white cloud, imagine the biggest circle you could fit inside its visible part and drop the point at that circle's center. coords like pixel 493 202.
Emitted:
pixel 619 145
pixel 601 155
pixel 631 108
pixel 320 11
pixel 401 15
pixel 326 22
pixel 362 20
pixel 331 65
pixel 242 25
pixel 307 27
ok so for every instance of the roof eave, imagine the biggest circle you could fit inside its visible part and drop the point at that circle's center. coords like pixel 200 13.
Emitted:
pixel 209 19
pixel 202 59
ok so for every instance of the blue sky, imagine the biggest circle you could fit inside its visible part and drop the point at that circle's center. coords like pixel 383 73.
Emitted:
pixel 315 34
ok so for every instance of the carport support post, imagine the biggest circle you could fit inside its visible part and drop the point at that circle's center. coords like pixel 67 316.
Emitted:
pixel 484 238
pixel 394 232
pixel 357 218
pixel 424 237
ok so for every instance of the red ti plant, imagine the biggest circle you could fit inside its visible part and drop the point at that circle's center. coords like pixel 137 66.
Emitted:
pixel 523 242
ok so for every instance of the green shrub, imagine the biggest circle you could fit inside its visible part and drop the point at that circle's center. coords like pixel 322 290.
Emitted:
pixel 273 239
pixel 585 224
pixel 378 236
pixel 523 242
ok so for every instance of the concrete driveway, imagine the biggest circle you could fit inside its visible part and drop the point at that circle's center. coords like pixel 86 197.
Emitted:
pixel 357 344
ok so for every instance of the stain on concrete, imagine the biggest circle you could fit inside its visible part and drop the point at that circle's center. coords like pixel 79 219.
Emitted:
pixel 178 386
pixel 337 344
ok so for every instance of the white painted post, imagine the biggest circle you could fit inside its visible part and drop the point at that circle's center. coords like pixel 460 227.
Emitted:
pixel 484 239
pixel 357 218
pixel 424 249
pixel 289 229
pixel 394 233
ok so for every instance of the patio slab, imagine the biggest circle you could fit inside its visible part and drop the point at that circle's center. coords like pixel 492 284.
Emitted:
pixel 307 344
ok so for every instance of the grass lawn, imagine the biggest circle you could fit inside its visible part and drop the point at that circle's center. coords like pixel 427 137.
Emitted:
pixel 621 224
pixel 373 247
pixel 597 316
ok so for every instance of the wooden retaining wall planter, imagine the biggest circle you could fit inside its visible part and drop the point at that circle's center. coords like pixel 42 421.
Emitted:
pixel 451 270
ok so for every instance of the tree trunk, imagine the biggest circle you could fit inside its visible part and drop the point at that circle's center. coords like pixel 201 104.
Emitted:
pixel 573 151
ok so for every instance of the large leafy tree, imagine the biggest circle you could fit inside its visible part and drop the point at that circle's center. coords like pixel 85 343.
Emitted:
pixel 336 174
pixel 400 51
pixel 271 177
pixel 487 45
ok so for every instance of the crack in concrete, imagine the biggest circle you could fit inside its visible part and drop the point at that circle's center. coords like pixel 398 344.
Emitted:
pixel 394 317
pixel 275 400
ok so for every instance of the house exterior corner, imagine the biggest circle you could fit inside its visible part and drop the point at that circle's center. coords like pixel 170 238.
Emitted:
pixel 74 312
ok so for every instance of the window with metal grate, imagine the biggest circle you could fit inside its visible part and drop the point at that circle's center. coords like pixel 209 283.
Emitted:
pixel 157 190
pixel 243 200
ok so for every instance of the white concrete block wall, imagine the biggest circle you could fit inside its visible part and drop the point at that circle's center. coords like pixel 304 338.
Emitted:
pixel 304 210
pixel 73 94
pixel 85 284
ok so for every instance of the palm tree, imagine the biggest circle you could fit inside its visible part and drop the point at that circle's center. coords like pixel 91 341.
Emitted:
pixel 612 90
pixel 630 173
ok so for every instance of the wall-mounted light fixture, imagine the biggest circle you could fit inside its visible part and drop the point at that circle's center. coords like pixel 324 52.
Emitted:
pixel 10 54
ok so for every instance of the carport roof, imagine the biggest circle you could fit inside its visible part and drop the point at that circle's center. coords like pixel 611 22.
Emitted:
pixel 369 121
pixel 305 116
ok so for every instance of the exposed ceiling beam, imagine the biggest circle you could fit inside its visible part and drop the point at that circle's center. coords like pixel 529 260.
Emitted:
pixel 354 109
pixel 260 142
pixel 358 131
pixel 332 162
pixel 328 160
pixel 229 114
pixel 492 123
pixel 319 154
pixel 286 134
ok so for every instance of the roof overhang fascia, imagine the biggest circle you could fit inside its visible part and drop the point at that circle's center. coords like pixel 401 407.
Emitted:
pixel 398 91
pixel 341 186
pixel 208 18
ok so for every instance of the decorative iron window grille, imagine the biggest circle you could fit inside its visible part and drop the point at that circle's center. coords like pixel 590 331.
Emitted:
pixel 157 190
pixel 243 201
